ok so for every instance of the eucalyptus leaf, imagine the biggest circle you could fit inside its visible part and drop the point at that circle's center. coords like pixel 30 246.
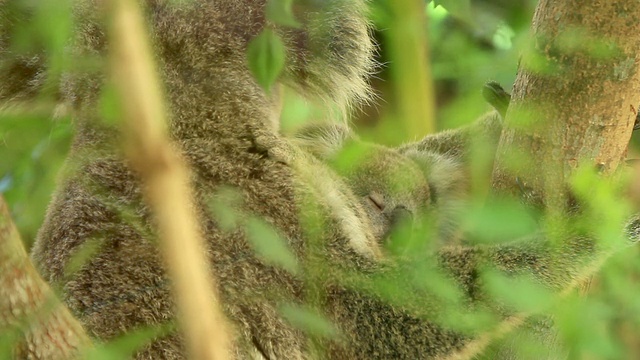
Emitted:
pixel 309 321
pixel 270 245
pixel 266 56
pixel 280 12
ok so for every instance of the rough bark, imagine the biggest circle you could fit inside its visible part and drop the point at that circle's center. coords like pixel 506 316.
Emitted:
pixel 575 97
pixel 42 325
pixel 574 101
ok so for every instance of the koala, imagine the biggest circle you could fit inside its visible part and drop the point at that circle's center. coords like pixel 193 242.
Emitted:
pixel 393 186
pixel 374 173
pixel 390 187
pixel 221 123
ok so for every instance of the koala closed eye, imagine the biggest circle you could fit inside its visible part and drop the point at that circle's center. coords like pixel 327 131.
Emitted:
pixel 377 200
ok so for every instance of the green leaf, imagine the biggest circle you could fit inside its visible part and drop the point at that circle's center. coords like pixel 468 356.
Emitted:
pixel 225 208
pixel 270 245
pixel 280 12
pixel 499 221
pixel 126 345
pixel 82 255
pixel 458 8
pixel 266 55
pixel 309 321
pixel 110 106
pixel 522 293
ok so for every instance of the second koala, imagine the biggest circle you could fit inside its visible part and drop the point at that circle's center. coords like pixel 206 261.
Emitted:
pixel 424 181
pixel 391 187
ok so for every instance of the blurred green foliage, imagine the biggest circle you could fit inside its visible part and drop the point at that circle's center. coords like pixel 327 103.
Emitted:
pixel 465 52
pixel 33 150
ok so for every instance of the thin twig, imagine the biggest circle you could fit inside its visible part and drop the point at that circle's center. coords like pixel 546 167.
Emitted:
pixel 165 178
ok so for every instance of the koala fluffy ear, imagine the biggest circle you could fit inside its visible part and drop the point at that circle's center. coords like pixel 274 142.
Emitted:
pixel 445 175
pixel 324 140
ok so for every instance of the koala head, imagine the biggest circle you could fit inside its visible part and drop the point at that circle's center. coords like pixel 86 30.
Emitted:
pixel 391 187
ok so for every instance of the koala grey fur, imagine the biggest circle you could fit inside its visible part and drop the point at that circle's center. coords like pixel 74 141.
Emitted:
pixel 391 187
pixel 377 171
pixel 221 121
pixel 395 185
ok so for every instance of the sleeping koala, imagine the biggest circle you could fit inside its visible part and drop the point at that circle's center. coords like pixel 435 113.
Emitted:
pixel 413 187
pixel 390 183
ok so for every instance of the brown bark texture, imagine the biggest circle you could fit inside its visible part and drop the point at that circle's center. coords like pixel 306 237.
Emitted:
pixel 575 98
pixel 42 325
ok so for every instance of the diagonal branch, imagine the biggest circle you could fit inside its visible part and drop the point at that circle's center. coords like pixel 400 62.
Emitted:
pixel 166 186
pixel 45 329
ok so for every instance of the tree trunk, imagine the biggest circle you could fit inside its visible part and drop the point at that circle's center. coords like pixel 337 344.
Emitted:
pixel 574 100
pixel 43 326
pixel 575 97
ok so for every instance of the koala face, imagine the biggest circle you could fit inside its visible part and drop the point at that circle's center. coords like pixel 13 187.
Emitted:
pixel 392 188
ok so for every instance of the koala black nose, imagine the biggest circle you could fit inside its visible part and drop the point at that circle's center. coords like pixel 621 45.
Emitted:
pixel 400 214
pixel 400 232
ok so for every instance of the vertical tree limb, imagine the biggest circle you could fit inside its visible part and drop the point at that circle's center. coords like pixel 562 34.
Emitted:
pixel 166 186
pixel 410 70
pixel 574 100
pixel 43 325
pixel 575 97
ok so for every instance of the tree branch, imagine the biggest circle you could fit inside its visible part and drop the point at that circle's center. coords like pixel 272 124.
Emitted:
pixel 166 186
pixel 411 73
pixel 575 97
pixel 43 325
